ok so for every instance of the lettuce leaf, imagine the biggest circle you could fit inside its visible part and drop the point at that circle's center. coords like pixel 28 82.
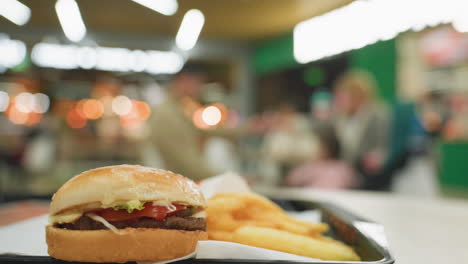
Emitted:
pixel 130 206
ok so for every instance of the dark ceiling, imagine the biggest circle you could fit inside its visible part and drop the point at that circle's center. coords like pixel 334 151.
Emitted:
pixel 238 20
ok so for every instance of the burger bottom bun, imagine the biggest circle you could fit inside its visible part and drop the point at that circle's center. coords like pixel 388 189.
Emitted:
pixel 135 244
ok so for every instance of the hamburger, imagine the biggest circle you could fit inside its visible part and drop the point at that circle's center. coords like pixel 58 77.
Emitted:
pixel 125 213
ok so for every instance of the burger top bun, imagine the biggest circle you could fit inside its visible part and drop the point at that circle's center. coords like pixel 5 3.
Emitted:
pixel 109 185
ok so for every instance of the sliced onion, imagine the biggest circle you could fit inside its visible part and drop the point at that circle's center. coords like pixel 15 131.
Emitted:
pixel 98 218
pixel 201 214
pixel 171 208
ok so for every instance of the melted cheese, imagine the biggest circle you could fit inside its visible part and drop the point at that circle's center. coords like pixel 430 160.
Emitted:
pixel 64 218
pixel 201 214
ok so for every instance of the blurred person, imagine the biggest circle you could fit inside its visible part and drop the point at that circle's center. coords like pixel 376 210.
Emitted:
pixel 221 154
pixel 432 113
pixel 290 140
pixel 325 170
pixel 176 138
pixel 456 125
pixel 12 147
pixel 321 106
pixel 40 153
pixel 362 124
pixel 429 122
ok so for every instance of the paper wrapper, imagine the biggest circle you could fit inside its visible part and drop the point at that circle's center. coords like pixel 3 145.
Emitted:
pixel 28 237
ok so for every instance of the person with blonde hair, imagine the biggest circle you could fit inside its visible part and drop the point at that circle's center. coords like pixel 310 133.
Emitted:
pixel 362 122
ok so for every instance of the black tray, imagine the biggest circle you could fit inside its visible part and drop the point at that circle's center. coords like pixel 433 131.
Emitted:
pixel 365 236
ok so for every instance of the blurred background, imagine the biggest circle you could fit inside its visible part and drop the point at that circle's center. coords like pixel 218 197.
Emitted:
pixel 333 94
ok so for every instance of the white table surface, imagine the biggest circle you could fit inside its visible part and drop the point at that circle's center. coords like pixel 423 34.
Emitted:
pixel 419 230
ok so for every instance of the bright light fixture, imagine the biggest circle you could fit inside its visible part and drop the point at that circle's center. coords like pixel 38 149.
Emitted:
pixel 106 59
pixel 41 103
pixel 55 56
pixel 164 62
pixel 4 101
pixel 93 109
pixel 24 102
pixel 165 7
pixel 364 22
pixel 211 115
pixel 122 105
pixel 15 11
pixel 70 19
pixel 12 52
pixel 113 59
pixel 87 57
pixel 190 29
pixel 461 25
pixel 460 22
pixel 28 102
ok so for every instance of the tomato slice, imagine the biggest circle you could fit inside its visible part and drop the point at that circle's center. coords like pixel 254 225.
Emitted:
pixel 158 212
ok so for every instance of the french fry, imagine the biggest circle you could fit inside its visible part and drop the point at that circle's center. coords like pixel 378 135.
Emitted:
pixel 258 211
pixel 221 235
pixel 222 222
pixel 287 223
pixel 293 228
pixel 312 228
pixel 292 243
pixel 219 203
pixel 254 220
pixel 252 200
pixel 258 223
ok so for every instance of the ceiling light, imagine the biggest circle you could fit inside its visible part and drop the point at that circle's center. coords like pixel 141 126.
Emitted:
pixel 138 60
pixel 364 22
pixel 460 22
pixel 190 29
pixel 113 59
pixel 70 19
pixel 104 58
pixel 165 7
pixel 55 56
pixel 461 25
pixel 15 11
pixel 164 62
pixel 87 57
pixel 12 52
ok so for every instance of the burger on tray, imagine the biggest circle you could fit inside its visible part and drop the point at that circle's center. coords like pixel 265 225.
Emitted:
pixel 125 213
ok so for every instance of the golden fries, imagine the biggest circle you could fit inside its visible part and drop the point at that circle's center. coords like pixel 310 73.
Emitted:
pixel 254 220
pixel 224 222
pixel 296 244
pixel 221 235
pixel 233 210
pixel 287 223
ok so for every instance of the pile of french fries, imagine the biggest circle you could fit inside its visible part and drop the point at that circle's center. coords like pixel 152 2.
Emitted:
pixel 254 220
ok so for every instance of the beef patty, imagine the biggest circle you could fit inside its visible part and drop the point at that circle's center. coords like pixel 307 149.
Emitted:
pixel 180 221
